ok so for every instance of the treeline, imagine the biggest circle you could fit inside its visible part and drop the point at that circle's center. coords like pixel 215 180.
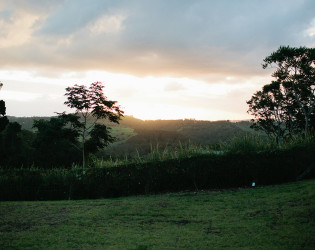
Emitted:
pixel 43 141
pixel 50 146
pixel 63 140
pixel 168 134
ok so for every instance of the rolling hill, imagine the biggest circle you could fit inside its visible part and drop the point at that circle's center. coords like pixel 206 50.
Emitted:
pixel 135 134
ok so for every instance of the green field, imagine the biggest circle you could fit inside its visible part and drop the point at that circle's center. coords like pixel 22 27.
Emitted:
pixel 271 217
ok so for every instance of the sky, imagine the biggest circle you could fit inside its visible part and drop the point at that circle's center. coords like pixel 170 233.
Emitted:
pixel 159 59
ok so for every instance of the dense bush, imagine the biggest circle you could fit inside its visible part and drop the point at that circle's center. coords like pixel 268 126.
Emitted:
pixel 195 173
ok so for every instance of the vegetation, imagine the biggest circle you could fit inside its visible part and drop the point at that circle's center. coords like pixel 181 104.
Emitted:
pixel 3 119
pixel 286 106
pixel 91 102
pixel 133 138
pixel 166 155
pixel 56 142
pixel 189 169
pixel 154 157
pixel 11 145
pixel 270 217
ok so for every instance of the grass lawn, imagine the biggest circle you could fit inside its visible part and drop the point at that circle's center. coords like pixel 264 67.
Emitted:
pixel 271 217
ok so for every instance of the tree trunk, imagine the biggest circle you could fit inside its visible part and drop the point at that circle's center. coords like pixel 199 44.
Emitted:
pixel 83 141
pixel 83 154
pixel 306 126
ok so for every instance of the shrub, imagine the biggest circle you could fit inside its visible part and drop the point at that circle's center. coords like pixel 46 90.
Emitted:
pixel 205 171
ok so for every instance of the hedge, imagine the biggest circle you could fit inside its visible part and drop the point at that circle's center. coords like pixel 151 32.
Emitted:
pixel 195 173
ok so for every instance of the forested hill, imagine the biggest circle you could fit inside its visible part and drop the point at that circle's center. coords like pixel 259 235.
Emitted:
pixel 27 122
pixel 133 133
pixel 202 132
pixel 171 132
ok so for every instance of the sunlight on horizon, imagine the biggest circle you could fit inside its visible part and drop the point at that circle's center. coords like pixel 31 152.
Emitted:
pixel 146 98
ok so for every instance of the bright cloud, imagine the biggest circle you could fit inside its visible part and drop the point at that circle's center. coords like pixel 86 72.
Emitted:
pixel 16 29
pixel 159 59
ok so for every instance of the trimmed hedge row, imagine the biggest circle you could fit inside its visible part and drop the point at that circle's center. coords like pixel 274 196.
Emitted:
pixel 195 173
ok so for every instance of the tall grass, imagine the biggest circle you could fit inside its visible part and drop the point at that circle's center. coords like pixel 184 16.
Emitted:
pixel 237 144
pixel 299 140
pixel 249 143
pixel 157 153
pixel 178 152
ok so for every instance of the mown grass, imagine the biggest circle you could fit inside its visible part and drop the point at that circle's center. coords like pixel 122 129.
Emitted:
pixel 271 217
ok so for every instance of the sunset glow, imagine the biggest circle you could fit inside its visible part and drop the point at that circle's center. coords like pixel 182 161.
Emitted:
pixel 159 60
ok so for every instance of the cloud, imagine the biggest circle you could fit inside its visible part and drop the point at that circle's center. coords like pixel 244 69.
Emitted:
pixel 175 38
pixel 16 28
pixel 174 86
pixel 107 24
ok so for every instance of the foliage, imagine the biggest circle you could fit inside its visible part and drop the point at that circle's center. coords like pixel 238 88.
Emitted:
pixel 271 112
pixel 207 171
pixel 56 142
pixel 11 144
pixel 133 135
pixel 249 144
pixel 296 72
pixel 3 119
pixel 286 105
pixel 14 151
pixel 92 103
pixel 168 134
pixel 99 138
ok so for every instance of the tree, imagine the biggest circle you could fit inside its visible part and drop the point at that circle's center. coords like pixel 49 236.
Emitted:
pixel 286 105
pixel 11 137
pixel 267 107
pixel 3 123
pixel 295 70
pixel 14 148
pixel 3 119
pixel 92 105
pixel 57 140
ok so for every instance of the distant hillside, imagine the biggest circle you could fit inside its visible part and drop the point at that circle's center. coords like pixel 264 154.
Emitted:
pixel 27 122
pixel 168 133
pixel 135 134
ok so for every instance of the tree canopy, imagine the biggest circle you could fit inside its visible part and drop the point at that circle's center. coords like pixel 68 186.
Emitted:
pixel 3 119
pixel 286 105
pixel 91 105
pixel 57 140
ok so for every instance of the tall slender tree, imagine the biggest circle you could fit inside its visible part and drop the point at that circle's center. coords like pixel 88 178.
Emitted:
pixel 91 105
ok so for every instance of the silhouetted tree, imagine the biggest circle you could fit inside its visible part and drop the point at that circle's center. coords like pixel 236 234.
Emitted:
pixel 57 141
pixel 99 138
pixel 91 104
pixel 3 123
pixel 295 70
pixel 286 105
pixel 11 139
pixel 3 119
pixel 15 144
